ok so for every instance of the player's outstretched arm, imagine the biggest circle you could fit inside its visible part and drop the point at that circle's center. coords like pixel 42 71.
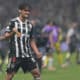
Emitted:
pixel 6 35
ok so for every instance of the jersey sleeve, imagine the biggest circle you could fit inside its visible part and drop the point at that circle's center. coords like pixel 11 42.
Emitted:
pixel 10 27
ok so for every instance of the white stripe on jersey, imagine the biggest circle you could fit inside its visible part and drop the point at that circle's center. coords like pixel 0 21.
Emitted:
pixel 26 40
pixel 16 43
pixel 21 42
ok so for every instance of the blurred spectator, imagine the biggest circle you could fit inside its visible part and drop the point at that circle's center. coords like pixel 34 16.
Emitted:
pixel 62 11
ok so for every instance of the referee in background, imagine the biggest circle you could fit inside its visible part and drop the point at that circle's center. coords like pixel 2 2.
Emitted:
pixel 22 44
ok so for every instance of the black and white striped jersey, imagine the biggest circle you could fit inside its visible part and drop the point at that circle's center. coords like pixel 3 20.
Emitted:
pixel 20 46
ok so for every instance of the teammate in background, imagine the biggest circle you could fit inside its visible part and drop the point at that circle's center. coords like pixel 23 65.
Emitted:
pixel 71 40
pixel 20 33
pixel 48 58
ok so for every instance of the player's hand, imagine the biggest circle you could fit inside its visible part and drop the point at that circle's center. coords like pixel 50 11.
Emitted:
pixel 18 33
pixel 39 55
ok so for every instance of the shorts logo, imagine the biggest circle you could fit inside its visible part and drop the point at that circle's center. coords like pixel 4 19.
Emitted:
pixel 33 59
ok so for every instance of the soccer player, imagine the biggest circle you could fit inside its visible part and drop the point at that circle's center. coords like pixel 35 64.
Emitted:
pixel 71 40
pixel 21 45
pixel 48 59
pixel 55 39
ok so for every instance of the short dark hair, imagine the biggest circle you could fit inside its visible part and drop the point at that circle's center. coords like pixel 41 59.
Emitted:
pixel 23 6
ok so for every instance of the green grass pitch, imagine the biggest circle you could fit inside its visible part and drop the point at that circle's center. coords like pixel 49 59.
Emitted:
pixel 70 73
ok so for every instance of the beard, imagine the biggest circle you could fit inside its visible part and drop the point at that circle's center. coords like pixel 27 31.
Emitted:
pixel 26 16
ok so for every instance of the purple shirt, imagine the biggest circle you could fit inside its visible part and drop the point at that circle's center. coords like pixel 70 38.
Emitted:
pixel 47 29
pixel 55 33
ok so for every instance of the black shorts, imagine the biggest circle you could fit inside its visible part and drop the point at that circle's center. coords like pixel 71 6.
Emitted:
pixel 27 64
pixel 49 50
pixel 72 47
pixel 3 53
